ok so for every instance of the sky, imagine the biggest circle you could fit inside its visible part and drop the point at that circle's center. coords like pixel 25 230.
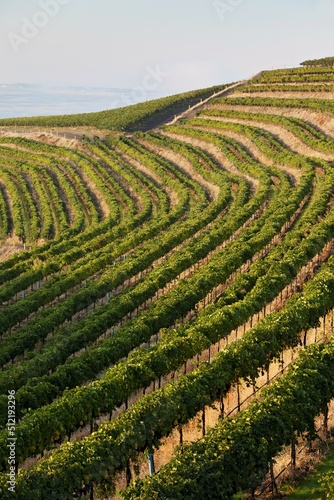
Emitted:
pixel 157 47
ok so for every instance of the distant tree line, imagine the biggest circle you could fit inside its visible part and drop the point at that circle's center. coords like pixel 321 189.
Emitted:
pixel 325 61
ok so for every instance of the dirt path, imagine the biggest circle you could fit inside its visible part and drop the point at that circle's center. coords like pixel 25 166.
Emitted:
pixel 7 250
pixel 283 94
pixel 229 91
pixel 191 112
pixel 67 137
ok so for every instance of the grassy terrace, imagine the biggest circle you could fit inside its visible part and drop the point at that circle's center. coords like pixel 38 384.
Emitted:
pixel 311 488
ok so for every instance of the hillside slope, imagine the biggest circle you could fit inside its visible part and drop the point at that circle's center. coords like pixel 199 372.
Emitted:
pixel 142 116
pixel 168 276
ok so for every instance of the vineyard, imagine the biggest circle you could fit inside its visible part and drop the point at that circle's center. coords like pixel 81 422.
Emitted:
pixel 167 294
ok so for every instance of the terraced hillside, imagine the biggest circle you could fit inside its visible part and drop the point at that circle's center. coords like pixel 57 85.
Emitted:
pixel 170 274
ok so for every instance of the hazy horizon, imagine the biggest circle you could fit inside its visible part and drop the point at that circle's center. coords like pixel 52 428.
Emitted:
pixel 155 48
pixel 22 99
